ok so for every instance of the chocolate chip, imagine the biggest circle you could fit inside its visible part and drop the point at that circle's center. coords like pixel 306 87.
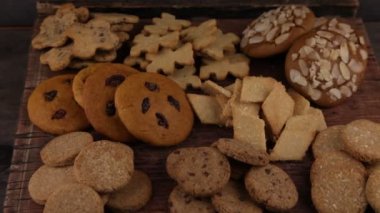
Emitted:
pixel 206 174
pixel 192 174
pixel 161 120
pixel 172 101
pixel 152 86
pixel 145 105
pixel 49 96
pixel 267 171
pixel 110 108
pixel 188 199
pixel 59 114
pixel 115 80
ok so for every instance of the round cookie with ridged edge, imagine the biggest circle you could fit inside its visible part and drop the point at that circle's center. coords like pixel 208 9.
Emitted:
pixel 241 151
pixel 52 108
pixel 45 180
pixel 271 186
pixel 74 197
pixel 62 150
pixel 328 140
pixel 98 100
pixel 200 171
pixel 154 109
pixel 274 31
pixel 134 195
pixel 179 201
pixel 234 198
pixel 104 165
pixel 361 139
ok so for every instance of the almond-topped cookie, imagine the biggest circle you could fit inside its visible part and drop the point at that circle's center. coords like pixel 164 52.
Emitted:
pixel 325 67
pixel 274 31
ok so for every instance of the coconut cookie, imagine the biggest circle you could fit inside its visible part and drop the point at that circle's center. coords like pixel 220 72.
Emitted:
pixel 52 108
pixel 324 67
pixel 272 187
pixel 154 109
pixel 179 201
pixel 361 138
pixel 62 150
pixel 200 171
pixel 274 31
pixel 104 165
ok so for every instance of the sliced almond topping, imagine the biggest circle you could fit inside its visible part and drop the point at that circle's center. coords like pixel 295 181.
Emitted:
pixel 310 42
pixel 325 34
pixel 345 90
pixel 361 40
pixel 315 82
pixel 335 71
pixel 344 71
pixel 314 55
pixel 334 55
pixel 345 27
pixel 303 66
pixel 281 18
pixel 354 78
pixel 297 78
pixel 325 68
pixel 256 39
pixel 355 66
pixel 262 26
pixel 326 53
pixel 272 33
pixel 352 47
pixel 340 80
pixel 335 92
pixel 286 27
pixel 294 56
pixel 308 49
pixel 297 12
pixel 280 39
pixel 363 54
pixel 321 42
pixel 344 53
pixel 328 84
pixel 244 42
pixel 314 93
pixel 333 22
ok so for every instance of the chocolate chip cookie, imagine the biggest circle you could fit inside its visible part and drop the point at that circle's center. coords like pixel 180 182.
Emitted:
pixel 154 109
pixel 52 107
pixel 179 201
pixel 98 100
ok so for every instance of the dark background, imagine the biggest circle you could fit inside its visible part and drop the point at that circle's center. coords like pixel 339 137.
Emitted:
pixel 16 21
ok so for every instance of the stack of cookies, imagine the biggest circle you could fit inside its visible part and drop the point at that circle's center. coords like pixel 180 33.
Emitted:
pixel 171 46
pixel 77 38
pixel 207 181
pixel 338 176
pixel 251 106
pixel 88 175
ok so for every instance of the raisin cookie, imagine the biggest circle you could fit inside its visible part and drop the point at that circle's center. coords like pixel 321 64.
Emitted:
pixel 62 150
pixel 134 195
pixel 106 166
pixel 234 198
pixel 274 31
pixel 200 171
pixel 179 201
pixel 272 187
pixel 80 79
pixel 98 100
pixel 47 179
pixel 52 108
pixel 74 198
pixel 154 109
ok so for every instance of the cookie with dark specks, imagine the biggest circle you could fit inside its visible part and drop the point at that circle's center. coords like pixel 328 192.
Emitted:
pixel 106 166
pixel 98 100
pixel 180 202
pixel 134 195
pixel 271 186
pixel 200 171
pixel 62 150
pixel 233 198
pixel 52 108
pixel 241 151
pixel 154 109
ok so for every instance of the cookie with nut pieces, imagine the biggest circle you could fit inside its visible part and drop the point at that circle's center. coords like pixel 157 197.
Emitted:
pixel 274 31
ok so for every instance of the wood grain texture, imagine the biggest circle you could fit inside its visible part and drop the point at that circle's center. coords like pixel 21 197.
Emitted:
pixel 29 139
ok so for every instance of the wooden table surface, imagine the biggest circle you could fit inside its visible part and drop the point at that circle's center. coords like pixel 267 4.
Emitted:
pixel 14 44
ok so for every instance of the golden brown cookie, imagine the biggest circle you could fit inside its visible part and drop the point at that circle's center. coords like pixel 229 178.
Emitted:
pixel 372 190
pixel 104 165
pixel 234 198
pixel 361 138
pixel 45 180
pixel 134 195
pixel 328 140
pixel 202 35
pixel 166 23
pixel 272 187
pixel 154 109
pixel 62 150
pixel 274 31
pixel 52 108
pixel 179 202
pixel 74 198
pixel 200 171
pixel 99 100
pixel 324 67
pixel 338 183
pixel 79 80
pixel 242 151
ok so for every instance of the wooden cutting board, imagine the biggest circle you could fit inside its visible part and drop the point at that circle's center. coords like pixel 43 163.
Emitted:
pixel 29 139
